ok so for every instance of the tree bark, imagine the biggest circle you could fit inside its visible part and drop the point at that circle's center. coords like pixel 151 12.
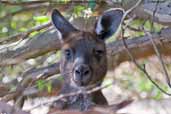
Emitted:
pixel 7 109
pixel 48 41
pixel 144 10
pixel 140 47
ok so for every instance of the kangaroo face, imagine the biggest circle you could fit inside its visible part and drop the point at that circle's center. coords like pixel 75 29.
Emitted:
pixel 84 60
pixel 85 57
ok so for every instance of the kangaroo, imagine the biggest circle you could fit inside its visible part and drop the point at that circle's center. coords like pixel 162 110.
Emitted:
pixel 84 59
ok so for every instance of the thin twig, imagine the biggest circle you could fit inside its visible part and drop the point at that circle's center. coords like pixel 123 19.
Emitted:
pixel 24 9
pixel 23 35
pixel 157 50
pixel 143 69
pixel 45 1
pixel 10 2
pixel 130 10
pixel 24 85
pixel 72 94
pixel 133 59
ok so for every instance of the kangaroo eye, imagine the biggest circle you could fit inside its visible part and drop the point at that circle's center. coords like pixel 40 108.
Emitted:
pixel 68 54
pixel 99 52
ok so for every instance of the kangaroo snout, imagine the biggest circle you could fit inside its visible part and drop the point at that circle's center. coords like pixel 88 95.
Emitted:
pixel 82 74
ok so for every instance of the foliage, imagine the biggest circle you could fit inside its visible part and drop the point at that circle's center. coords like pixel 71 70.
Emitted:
pixel 16 19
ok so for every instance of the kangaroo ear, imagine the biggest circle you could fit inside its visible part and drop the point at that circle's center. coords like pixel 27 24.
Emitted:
pixel 62 25
pixel 108 23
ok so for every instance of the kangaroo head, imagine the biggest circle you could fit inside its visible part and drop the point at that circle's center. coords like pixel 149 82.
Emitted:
pixel 84 60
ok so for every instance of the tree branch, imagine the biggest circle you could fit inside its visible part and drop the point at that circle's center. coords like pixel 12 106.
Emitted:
pixel 23 35
pixel 31 76
pixel 29 48
pixel 7 2
pixel 7 109
pixel 112 109
pixel 24 9
pixel 162 14
pixel 144 11
pixel 141 47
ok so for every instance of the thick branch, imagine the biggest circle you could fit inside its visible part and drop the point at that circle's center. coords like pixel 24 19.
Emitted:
pixel 7 109
pixel 145 10
pixel 140 47
pixel 31 76
pixel 48 41
pixel 41 73
pixel 28 48
pixel 35 46
pixel 162 14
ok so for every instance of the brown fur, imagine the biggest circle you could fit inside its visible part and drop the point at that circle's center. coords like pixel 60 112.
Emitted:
pixel 84 61
pixel 88 42
pixel 71 43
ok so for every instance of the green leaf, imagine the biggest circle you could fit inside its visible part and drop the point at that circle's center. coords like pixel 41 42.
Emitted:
pixel 147 25
pixel 23 29
pixel 34 33
pixel 13 24
pixel 145 85
pixel 78 9
pixel 41 19
pixel 58 54
pixel 63 1
pixel 40 84
pixel 158 95
pixel 49 87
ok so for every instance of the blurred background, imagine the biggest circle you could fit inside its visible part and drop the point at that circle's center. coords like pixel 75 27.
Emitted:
pixel 22 21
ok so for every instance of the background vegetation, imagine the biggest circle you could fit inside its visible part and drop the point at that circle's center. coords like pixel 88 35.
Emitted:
pixel 29 56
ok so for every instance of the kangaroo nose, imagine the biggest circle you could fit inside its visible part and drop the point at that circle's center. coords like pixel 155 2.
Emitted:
pixel 82 73
pixel 82 70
